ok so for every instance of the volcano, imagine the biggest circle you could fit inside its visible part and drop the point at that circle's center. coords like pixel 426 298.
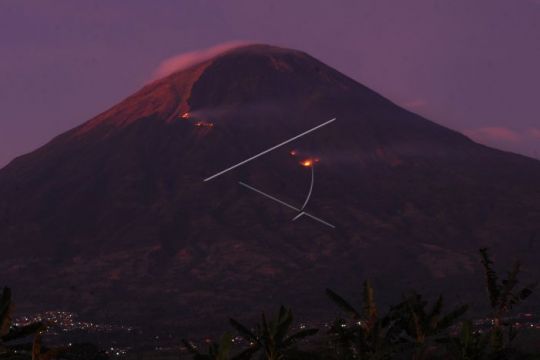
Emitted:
pixel 112 219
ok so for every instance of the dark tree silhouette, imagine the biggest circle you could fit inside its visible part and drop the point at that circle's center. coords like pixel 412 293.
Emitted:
pixel 503 295
pixel 425 325
pixel 271 338
pixel 365 335
pixel 216 351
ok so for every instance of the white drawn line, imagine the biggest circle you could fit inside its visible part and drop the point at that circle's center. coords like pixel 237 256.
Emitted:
pixel 268 150
pixel 285 204
pixel 298 216
pixel 319 220
pixel 310 186
pixel 269 196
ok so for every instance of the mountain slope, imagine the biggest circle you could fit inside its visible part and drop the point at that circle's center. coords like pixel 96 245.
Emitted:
pixel 114 217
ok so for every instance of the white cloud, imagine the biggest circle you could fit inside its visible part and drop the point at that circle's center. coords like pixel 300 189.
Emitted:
pixel 187 59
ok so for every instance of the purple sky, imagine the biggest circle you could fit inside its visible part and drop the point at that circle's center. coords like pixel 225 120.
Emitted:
pixel 470 65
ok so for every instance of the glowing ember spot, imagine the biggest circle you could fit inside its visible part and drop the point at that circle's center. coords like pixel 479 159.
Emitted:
pixel 307 163
pixel 204 124
pixel 186 116
pixel 293 152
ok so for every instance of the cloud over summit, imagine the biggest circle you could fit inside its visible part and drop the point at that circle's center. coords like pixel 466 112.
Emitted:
pixel 190 58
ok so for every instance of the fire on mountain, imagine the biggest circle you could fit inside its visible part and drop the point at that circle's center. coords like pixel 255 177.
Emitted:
pixel 309 162
pixel 204 124
pixel 186 116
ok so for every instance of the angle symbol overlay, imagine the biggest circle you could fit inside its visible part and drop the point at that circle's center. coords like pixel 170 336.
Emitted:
pixel 286 205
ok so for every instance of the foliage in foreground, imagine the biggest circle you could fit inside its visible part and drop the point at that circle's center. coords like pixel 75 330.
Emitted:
pixel 272 338
pixel 412 329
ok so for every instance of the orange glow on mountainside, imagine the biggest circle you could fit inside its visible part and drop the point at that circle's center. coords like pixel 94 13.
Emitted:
pixel 204 124
pixel 309 162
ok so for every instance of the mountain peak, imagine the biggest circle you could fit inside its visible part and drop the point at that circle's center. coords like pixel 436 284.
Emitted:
pixel 261 50
pixel 227 79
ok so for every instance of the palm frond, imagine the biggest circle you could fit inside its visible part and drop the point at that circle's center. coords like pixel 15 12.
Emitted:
pixel 344 305
pixel 5 309
pixel 191 348
pixel 449 319
pixel 23 331
pixel 224 347
pixel 492 281
pixel 369 305
pixel 436 310
pixel 5 301
pixel 247 353
pixel 302 334
pixel 526 291
pixel 284 323
pixel 508 285
pixel 243 331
